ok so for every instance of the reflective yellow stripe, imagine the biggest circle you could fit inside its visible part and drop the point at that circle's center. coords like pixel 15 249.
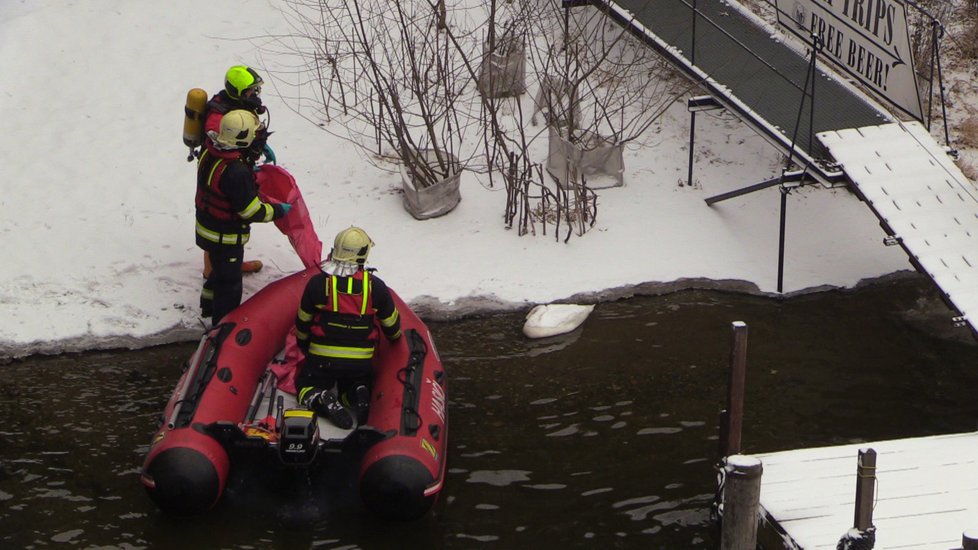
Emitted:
pixel 207 294
pixel 300 335
pixel 366 290
pixel 349 290
pixel 252 207
pixel 332 282
pixel 303 392
pixel 210 177
pixel 389 322
pixel 304 317
pixel 341 352
pixel 222 238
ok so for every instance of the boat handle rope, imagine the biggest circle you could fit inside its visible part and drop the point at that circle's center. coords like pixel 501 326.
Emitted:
pixel 189 381
pixel 410 378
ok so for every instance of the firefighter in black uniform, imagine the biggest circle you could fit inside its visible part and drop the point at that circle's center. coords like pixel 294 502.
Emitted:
pixel 227 204
pixel 336 329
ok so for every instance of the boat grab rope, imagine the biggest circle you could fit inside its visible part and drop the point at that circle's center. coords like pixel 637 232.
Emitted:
pixel 204 363
pixel 410 378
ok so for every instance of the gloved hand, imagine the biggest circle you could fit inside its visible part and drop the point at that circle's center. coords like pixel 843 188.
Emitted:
pixel 269 154
pixel 285 207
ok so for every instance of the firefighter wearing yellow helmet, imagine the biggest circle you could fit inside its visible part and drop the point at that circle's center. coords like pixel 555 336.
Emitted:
pixel 344 308
pixel 227 203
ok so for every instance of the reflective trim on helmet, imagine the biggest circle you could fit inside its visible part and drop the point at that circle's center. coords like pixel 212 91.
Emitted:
pixel 222 238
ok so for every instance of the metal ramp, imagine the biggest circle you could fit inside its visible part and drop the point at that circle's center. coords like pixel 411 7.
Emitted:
pixel 923 200
pixel 752 71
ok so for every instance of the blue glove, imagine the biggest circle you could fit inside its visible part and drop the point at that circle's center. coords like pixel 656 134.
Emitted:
pixel 285 207
pixel 269 154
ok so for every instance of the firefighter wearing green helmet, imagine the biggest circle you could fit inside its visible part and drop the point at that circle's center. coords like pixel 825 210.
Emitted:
pixel 227 203
pixel 242 90
pixel 337 324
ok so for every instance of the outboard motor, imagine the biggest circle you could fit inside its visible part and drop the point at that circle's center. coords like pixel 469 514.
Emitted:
pixel 298 437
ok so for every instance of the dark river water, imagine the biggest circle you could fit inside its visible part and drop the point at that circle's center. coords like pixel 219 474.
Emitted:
pixel 604 438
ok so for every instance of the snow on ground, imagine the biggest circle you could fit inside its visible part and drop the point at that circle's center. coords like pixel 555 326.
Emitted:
pixel 97 197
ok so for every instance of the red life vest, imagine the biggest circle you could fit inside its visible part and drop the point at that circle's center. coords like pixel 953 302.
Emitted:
pixel 343 331
pixel 210 168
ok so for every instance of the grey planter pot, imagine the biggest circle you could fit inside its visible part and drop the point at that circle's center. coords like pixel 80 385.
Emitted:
pixel 434 200
pixel 602 164
pixel 503 72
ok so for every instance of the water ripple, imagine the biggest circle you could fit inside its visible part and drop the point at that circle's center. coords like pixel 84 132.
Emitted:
pixel 499 478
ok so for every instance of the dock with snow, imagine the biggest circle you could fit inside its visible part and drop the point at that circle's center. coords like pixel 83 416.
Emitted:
pixel 926 493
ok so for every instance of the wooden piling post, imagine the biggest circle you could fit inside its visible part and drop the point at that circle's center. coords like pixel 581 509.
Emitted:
pixel 733 417
pixel 741 502
pixel 969 539
pixel 865 489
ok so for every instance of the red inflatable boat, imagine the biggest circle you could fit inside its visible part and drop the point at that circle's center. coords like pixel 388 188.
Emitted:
pixel 231 396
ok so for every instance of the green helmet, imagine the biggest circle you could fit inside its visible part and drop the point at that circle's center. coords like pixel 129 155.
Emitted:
pixel 240 79
pixel 351 245
pixel 238 130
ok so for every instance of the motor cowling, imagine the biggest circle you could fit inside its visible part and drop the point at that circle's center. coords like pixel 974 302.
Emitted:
pixel 298 438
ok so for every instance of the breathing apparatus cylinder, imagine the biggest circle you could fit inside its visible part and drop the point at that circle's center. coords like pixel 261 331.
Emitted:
pixel 193 120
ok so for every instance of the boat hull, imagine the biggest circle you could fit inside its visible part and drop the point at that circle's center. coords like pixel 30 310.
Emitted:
pixel 190 457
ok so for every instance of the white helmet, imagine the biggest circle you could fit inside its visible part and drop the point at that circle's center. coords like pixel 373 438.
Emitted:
pixel 238 129
pixel 351 245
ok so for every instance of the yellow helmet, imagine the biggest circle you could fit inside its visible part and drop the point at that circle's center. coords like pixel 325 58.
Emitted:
pixel 241 79
pixel 238 130
pixel 351 245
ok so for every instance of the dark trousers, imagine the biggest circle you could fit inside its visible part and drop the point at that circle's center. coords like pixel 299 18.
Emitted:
pixel 222 290
pixel 321 376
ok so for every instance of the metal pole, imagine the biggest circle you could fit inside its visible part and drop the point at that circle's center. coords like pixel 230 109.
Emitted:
pixel 692 115
pixel 809 78
pixel 741 502
pixel 692 139
pixel 933 66
pixel 781 239
pixel 736 388
pixel 865 489
pixel 940 84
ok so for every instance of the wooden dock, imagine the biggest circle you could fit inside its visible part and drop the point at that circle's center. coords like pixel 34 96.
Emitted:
pixel 926 493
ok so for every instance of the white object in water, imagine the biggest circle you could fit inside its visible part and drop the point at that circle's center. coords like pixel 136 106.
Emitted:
pixel 553 319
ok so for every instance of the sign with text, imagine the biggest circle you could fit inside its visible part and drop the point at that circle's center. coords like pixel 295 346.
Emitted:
pixel 866 38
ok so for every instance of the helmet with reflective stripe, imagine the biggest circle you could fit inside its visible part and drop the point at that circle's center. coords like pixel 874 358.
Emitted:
pixel 238 130
pixel 240 79
pixel 351 245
